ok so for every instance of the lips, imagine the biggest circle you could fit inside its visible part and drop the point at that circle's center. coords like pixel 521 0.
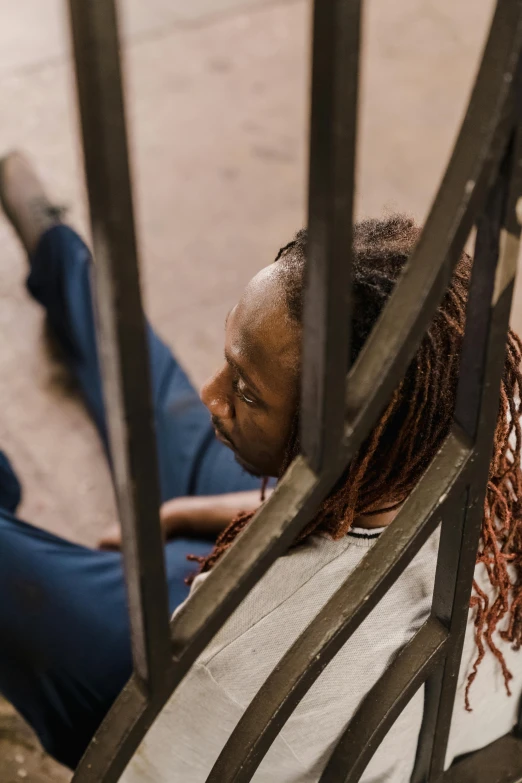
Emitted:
pixel 226 441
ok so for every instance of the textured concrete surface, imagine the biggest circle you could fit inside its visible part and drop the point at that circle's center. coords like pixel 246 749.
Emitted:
pixel 21 756
pixel 217 97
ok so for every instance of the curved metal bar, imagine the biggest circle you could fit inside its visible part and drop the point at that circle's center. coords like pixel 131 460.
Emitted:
pixel 482 366
pixel 496 763
pixel 477 154
pixel 368 727
pixel 327 306
pixel 342 615
pixel 473 164
pixel 122 342
pixel 272 530
pixel 275 526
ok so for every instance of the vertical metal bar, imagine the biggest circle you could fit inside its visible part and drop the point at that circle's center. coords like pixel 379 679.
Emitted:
pixel 122 333
pixel 383 703
pixel 476 411
pixel 335 74
pixel 325 360
pixel 339 618
pixel 450 549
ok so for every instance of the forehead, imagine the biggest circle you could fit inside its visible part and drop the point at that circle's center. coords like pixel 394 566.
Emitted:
pixel 260 334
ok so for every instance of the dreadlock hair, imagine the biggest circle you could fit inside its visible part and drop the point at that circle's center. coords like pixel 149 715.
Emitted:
pixel 415 423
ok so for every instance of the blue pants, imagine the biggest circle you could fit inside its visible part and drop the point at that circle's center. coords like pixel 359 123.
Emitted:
pixel 64 628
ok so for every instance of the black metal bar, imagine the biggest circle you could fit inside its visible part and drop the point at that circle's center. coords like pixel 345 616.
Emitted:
pixel 341 616
pixel 274 528
pixel 269 534
pixel 482 364
pixel 474 156
pixel 499 762
pixel 122 338
pixel 384 703
pixel 490 389
pixel 444 596
pixel 487 257
pixel 327 322
pixel 472 167
pixel 454 549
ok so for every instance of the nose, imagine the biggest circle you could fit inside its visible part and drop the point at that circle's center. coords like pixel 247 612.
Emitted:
pixel 215 395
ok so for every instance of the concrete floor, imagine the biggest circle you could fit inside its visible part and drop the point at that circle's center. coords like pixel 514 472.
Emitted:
pixel 217 95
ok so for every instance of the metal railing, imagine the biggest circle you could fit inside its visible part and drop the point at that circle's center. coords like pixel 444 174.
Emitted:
pixel 482 187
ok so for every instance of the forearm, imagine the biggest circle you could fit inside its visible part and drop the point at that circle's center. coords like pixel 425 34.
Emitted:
pixel 206 515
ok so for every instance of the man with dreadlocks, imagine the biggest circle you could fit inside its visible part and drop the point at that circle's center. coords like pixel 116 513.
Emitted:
pixel 64 628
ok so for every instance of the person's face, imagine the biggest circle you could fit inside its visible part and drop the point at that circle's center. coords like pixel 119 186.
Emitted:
pixel 252 398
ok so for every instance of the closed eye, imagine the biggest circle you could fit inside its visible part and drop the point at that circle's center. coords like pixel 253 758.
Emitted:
pixel 240 393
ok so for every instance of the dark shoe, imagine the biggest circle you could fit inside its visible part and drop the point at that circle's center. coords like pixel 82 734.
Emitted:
pixel 25 201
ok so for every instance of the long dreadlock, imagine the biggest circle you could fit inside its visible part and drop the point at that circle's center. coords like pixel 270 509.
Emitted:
pixel 415 423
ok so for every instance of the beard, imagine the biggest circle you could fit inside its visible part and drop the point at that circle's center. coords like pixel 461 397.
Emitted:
pixel 248 467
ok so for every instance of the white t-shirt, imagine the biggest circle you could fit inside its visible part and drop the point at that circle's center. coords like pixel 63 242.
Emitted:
pixel 187 737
